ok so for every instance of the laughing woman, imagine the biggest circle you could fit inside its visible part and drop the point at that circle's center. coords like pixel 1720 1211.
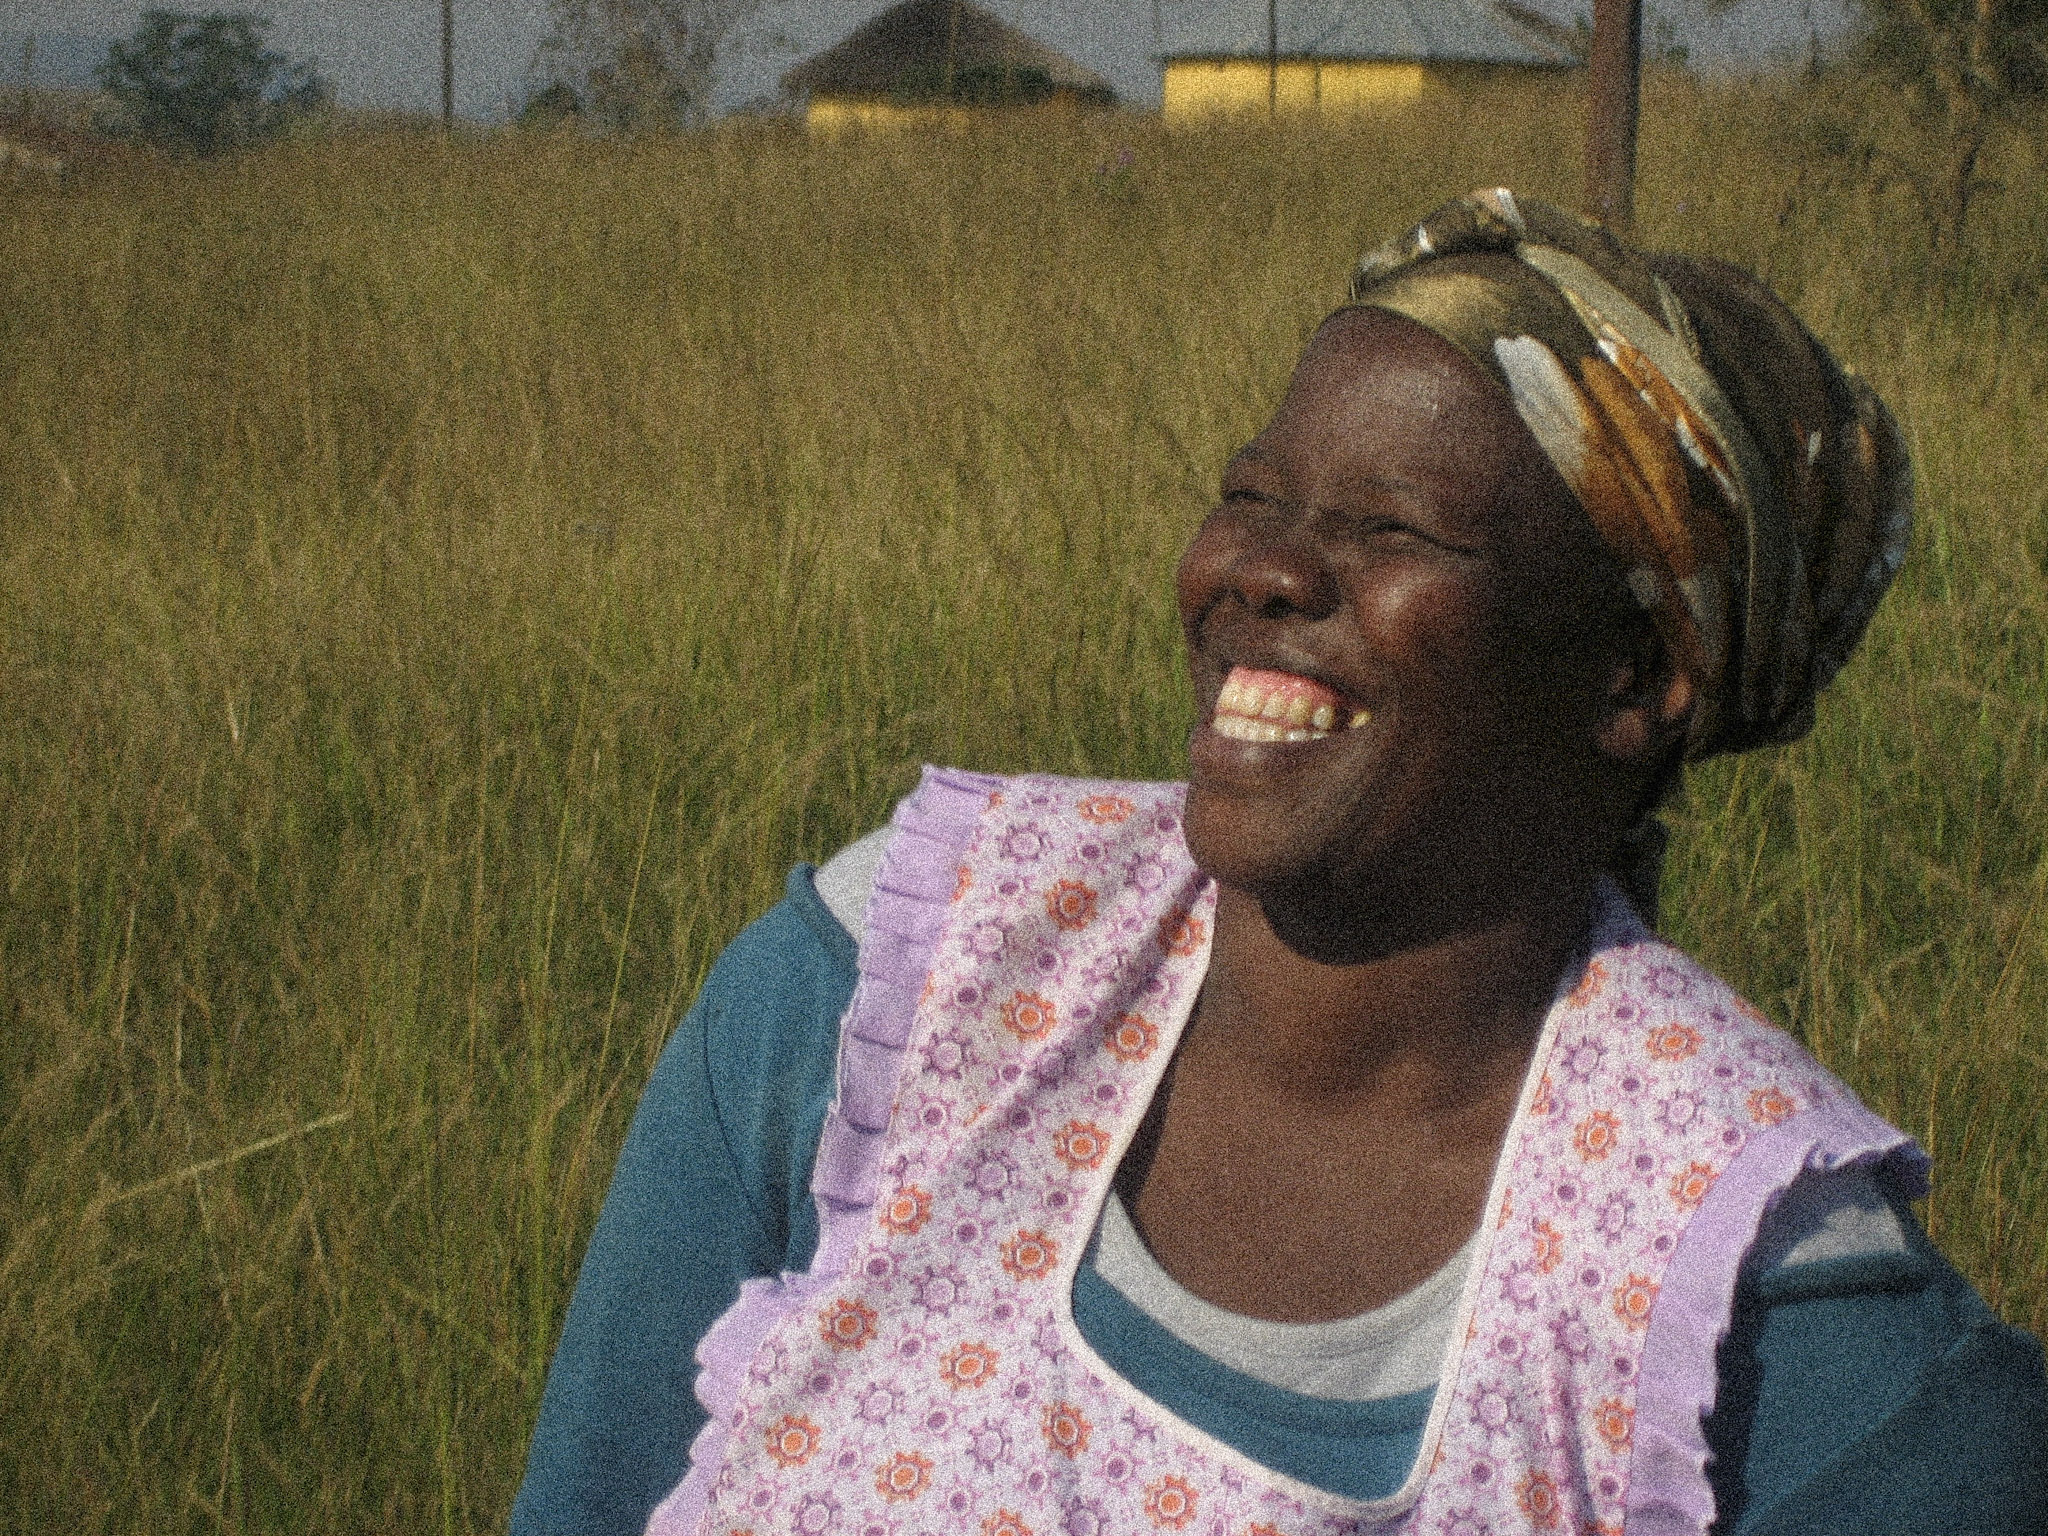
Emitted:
pixel 1329 1144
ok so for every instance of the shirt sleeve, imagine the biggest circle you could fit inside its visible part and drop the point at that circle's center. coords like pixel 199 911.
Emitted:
pixel 712 1188
pixel 1878 1396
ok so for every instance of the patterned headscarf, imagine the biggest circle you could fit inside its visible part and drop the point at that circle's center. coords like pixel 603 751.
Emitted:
pixel 1757 495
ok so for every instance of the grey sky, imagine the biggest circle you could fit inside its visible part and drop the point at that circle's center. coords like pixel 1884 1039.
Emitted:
pixel 386 52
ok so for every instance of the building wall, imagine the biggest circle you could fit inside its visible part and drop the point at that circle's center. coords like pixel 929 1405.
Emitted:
pixel 838 114
pixel 851 114
pixel 1193 89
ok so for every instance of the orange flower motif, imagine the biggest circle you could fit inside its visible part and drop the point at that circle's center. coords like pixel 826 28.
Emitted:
pixel 1260 1528
pixel 1130 1037
pixel 793 1440
pixel 1589 985
pixel 1616 1423
pixel 1769 1106
pixel 1690 1184
pixel 1071 904
pixel 1029 1016
pixel 1633 1299
pixel 1066 1430
pixel 1595 1135
pixel 1081 1145
pixel 1673 1042
pixel 1005 1522
pixel 1170 1503
pixel 1549 1245
pixel 908 1209
pixel 995 799
pixel 1545 1102
pixel 1537 1494
pixel 969 1365
pixel 963 881
pixel 1105 810
pixel 1030 1256
pixel 903 1476
pixel 1180 934
pixel 847 1324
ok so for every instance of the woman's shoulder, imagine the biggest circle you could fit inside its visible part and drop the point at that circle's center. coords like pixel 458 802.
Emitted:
pixel 844 883
pixel 1865 1386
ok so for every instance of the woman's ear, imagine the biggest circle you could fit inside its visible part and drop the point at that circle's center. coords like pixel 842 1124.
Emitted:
pixel 1649 701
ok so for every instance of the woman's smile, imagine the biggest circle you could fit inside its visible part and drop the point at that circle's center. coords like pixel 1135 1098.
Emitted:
pixel 1271 723
pixel 1260 705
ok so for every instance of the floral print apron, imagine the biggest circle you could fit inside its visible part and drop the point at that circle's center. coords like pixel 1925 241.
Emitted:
pixel 1032 951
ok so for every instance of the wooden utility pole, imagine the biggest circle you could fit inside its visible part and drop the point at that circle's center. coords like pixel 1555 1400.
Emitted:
pixel 447 66
pixel 952 48
pixel 1611 120
pixel 1272 58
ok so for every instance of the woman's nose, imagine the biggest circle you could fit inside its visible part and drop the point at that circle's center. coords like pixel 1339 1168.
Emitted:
pixel 1281 573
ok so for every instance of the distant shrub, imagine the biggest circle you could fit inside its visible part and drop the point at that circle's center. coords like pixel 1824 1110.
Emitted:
pixel 205 83
pixel 552 106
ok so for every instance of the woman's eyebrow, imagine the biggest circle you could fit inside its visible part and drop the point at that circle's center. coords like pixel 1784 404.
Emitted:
pixel 1399 485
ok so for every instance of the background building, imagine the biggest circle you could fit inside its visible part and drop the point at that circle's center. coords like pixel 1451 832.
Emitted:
pixel 936 59
pixel 1226 57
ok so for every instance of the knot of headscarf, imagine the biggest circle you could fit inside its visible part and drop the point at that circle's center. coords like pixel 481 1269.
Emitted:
pixel 1757 496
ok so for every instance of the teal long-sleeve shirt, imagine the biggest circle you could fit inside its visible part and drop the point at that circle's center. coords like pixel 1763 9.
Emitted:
pixel 1871 1396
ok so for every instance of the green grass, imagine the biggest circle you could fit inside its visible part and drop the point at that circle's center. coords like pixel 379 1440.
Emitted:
pixel 442 589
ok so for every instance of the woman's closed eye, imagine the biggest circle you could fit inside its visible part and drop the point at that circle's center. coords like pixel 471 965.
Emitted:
pixel 1380 527
pixel 1249 497
pixel 1372 524
pixel 1376 523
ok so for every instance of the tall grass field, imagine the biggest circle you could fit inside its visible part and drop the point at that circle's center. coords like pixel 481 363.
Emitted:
pixel 444 587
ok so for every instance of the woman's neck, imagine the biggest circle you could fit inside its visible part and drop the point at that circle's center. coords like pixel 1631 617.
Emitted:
pixel 1446 1015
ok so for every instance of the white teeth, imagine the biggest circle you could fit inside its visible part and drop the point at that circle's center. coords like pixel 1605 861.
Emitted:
pixel 1248 712
pixel 1240 729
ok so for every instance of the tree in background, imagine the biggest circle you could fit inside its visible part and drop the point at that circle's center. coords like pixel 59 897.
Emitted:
pixel 552 106
pixel 205 83
pixel 1970 66
pixel 637 64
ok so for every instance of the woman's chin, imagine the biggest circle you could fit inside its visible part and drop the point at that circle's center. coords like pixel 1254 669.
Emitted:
pixel 1252 842
pixel 1239 767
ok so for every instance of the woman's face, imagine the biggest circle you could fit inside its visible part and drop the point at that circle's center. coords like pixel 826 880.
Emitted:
pixel 1394 551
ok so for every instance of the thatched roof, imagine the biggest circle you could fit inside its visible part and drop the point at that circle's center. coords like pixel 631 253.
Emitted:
pixel 1425 31
pixel 913 46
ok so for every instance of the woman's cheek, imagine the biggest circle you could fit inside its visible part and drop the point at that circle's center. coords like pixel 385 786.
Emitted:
pixel 1198 576
pixel 1422 617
